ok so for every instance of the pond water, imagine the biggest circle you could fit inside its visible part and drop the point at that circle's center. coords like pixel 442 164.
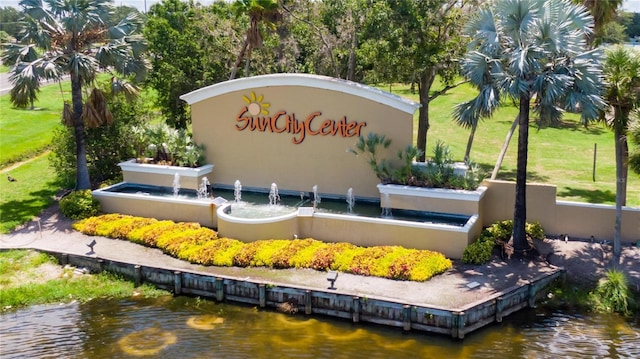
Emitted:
pixel 184 327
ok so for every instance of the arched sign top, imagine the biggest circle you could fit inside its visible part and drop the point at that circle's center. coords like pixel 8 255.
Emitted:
pixel 305 80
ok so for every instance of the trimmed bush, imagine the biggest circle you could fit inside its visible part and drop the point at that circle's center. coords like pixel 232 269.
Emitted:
pixel 79 205
pixel 480 251
pixel 196 244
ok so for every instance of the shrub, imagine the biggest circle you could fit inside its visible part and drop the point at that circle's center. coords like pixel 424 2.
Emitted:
pixel 613 294
pixel 196 244
pixel 79 205
pixel 163 144
pixel 479 252
pixel 219 252
pixel 437 173
pixel 106 145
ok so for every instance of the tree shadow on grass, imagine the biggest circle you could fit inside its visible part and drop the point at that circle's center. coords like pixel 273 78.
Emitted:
pixel 590 196
pixel 510 175
pixel 572 126
pixel 16 212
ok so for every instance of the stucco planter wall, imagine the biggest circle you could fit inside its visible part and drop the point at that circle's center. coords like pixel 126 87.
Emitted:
pixel 431 199
pixel 160 175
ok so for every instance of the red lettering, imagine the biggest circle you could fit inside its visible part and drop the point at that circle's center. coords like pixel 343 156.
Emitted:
pixel 274 122
pixel 242 122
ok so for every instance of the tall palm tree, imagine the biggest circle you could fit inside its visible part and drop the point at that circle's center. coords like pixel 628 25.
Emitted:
pixel 74 38
pixel 622 73
pixel 523 49
pixel 259 11
pixel 603 12
pixel 634 136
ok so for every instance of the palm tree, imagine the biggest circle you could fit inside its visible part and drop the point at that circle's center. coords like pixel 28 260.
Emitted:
pixel 74 38
pixel 603 12
pixel 526 49
pixel 259 11
pixel 634 136
pixel 622 73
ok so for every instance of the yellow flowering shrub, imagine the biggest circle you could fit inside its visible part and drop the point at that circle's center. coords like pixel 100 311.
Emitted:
pixel 201 245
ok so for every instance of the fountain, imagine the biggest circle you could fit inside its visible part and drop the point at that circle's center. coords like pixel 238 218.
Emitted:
pixel 350 200
pixel 316 196
pixel 237 191
pixel 386 206
pixel 176 184
pixel 274 197
pixel 203 190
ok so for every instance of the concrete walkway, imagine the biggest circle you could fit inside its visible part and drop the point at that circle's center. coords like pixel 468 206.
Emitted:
pixel 451 290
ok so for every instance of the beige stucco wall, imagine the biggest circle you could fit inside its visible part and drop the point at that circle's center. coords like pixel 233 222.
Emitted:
pixel 159 208
pixel 578 220
pixel 375 232
pixel 258 158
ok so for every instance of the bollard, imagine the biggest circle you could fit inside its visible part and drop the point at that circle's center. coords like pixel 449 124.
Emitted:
pixel 137 275
pixel 499 307
pixel 219 289
pixel 531 295
pixel 177 282
pixel 406 317
pixel 307 302
pixel 356 309
pixel 262 294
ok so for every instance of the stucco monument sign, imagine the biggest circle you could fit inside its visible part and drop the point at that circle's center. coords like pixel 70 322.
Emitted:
pixel 294 130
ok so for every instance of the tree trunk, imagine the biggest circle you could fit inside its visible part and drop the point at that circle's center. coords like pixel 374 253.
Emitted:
pixel 426 80
pixel 622 156
pixel 520 211
pixel 467 152
pixel 82 171
pixel 239 59
pixel 505 146
pixel 352 55
pixel 247 63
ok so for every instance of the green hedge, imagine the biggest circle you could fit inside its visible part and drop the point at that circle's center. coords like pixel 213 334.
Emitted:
pixel 201 245
pixel 479 252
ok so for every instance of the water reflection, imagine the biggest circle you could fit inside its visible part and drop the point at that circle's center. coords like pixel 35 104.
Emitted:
pixel 191 328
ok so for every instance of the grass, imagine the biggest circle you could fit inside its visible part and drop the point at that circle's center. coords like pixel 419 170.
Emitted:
pixel 562 155
pixel 33 190
pixel 23 283
pixel 26 132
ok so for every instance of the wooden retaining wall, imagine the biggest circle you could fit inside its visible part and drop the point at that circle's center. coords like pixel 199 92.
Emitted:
pixel 454 322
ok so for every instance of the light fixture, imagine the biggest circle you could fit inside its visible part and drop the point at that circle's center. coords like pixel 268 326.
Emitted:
pixel 90 245
pixel 331 277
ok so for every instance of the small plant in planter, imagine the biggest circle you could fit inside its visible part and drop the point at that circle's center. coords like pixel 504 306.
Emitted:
pixel 162 144
pixel 437 173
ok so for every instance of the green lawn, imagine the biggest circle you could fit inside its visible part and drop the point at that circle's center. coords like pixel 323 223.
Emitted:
pixel 33 190
pixel 27 132
pixel 561 155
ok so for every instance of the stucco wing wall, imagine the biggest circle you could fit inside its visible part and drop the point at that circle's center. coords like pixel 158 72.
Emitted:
pixel 499 201
pixel 578 220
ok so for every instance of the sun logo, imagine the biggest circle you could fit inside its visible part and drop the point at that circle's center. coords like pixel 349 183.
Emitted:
pixel 255 104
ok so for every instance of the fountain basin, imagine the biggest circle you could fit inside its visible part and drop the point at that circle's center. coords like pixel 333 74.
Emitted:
pixel 445 233
pixel 160 175
pixel 428 199
pixel 158 202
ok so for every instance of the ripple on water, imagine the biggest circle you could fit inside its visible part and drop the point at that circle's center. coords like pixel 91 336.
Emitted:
pixel 99 328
